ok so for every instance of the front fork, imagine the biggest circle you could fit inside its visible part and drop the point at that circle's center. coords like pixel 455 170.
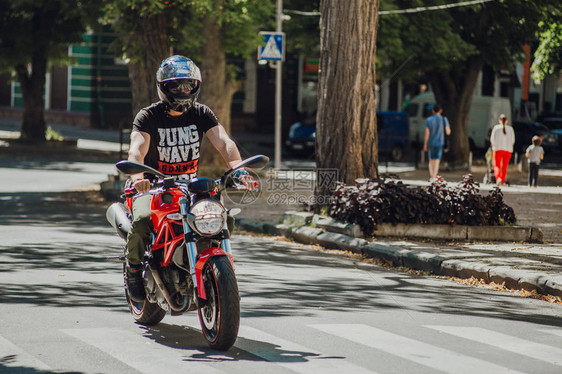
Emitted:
pixel 190 245
pixel 192 249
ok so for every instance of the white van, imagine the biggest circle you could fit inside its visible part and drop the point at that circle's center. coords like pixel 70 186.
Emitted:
pixel 483 115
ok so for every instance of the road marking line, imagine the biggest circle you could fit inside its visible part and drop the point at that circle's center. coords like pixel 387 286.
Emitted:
pixel 506 342
pixel 292 355
pixel 553 332
pixel 139 352
pixel 12 356
pixel 410 349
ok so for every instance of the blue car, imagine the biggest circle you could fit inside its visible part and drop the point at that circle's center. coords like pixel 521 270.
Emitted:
pixel 393 132
pixel 392 129
pixel 302 139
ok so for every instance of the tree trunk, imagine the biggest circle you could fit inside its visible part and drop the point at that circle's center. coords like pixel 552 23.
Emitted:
pixel 155 48
pixel 456 100
pixel 33 83
pixel 217 87
pixel 346 134
pixel 32 88
pixel 139 86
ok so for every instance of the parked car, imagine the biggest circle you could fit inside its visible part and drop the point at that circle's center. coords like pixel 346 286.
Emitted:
pixel 302 139
pixel 524 132
pixel 554 124
pixel 392 129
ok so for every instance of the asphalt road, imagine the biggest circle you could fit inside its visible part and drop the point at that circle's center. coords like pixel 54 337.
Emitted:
pixel 303 310
pixel 36 174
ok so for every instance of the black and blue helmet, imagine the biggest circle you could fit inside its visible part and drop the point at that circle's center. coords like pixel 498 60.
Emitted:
pixel 179 82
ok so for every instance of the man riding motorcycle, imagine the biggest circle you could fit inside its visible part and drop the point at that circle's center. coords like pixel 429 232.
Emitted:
pixel 167 136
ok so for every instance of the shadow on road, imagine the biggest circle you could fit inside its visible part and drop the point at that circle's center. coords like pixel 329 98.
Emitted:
pixel 47 235
pixel 28 370
pixel 187 338
pixel 302 288
pixel 72 211
pixel 54 252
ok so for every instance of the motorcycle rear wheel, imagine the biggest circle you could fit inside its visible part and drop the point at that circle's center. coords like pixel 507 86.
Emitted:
pixel 144 313
pixel 220 316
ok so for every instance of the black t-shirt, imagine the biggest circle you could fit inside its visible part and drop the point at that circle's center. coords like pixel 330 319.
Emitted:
pixel 174 141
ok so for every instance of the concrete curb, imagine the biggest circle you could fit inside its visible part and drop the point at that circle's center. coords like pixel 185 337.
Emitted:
pixel 444 232
pixel 454 264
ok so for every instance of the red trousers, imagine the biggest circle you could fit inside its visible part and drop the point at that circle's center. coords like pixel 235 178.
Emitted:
pixel 501 160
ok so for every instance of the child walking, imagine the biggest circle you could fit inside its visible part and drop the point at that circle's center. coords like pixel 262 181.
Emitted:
pixel 534 154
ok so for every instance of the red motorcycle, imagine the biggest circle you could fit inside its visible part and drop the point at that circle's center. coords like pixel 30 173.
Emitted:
pixel 188 264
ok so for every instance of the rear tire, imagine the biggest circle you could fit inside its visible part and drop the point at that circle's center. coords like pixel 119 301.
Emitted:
pixel 220 316
pixel 144 313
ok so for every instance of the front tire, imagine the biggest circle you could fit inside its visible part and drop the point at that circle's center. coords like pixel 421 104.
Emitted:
pixel 220 316
pixel 144 313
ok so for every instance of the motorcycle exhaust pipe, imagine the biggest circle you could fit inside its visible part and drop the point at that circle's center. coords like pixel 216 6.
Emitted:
pixel 118 216
pixel 173 305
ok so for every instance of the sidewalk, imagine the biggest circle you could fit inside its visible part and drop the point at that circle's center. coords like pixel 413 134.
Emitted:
pixel 519 265
pixel 88 139
pixel 528 266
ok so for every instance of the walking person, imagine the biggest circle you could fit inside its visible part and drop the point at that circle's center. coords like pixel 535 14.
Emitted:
pixel 436 127
pixel 502 140
pixel 534 154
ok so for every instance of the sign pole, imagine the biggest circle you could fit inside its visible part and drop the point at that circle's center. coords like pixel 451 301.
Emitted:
pixel 278 96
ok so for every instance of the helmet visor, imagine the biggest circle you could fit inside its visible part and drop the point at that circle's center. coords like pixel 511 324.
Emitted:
pixel 180 86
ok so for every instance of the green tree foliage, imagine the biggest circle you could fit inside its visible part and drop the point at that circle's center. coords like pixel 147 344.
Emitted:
pixel 302 29
pixel 548 56
pixel 452 45
pixel 33 33
pixel 192 28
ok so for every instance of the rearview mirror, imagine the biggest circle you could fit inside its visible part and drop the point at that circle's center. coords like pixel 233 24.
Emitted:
pixel 254 162
pixel 131 167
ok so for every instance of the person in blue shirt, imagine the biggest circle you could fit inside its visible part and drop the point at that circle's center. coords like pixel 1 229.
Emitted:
pixel 436 127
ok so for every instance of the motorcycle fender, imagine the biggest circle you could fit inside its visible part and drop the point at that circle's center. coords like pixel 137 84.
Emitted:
pixel 203 258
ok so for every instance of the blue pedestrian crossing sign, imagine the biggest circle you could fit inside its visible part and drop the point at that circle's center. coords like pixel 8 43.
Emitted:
pixel 274 48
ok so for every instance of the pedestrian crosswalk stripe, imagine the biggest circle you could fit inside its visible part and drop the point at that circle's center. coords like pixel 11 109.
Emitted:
pixel 310 361
pixel 410 349
pixel 506 342
pixel 139 352
pixel 13 356
pixel 553 332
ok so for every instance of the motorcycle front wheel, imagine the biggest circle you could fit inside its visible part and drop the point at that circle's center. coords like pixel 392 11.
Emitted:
pixel 220 315
pixel 144 313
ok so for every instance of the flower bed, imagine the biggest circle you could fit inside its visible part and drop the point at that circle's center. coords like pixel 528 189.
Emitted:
pixel 372 202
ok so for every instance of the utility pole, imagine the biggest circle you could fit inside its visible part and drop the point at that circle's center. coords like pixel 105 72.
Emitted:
pixel 278 72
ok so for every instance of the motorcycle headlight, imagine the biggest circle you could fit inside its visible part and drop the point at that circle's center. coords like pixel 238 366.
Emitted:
pixel 209 217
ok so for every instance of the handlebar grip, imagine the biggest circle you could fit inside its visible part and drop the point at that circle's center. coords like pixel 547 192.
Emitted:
pixel 129 192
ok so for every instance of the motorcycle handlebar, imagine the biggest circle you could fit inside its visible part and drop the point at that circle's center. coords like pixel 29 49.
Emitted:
pixel 155 186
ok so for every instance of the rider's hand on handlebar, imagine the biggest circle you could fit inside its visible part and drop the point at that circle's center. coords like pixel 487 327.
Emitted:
pixel 243 177
pixel 141 185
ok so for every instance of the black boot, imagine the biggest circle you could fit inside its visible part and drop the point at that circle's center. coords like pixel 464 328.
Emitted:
pixel 135 285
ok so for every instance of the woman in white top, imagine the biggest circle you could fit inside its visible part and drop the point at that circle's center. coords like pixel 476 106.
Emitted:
pixel 502 140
